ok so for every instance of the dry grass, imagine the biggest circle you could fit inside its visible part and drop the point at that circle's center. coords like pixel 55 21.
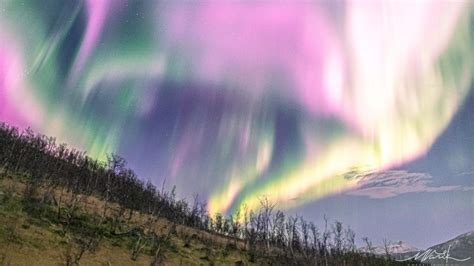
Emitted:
pixel 25 240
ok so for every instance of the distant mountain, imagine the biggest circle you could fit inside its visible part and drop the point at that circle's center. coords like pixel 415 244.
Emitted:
pixel 398 250
pixel 460 247
pixel 457 251
pixel 399 247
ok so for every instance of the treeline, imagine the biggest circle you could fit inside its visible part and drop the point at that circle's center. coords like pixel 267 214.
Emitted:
pixel 266 232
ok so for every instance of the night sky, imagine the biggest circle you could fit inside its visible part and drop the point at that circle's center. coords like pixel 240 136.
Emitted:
pixel 361 111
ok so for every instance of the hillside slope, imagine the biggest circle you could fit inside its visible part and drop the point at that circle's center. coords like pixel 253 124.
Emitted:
pixel 457 251
pixel 36 237
pixel 60 206
pixel 32 233
pixel 461 250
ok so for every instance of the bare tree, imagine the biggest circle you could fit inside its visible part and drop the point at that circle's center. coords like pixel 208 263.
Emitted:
pixel 337 232
pixel 349 238
pixel 369 247
pixel 266 214
pixel 386 246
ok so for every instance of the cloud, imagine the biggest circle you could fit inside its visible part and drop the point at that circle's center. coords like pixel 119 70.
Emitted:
pixel 387 184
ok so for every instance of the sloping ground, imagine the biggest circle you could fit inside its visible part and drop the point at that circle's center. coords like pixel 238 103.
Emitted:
pixel 44 226
pixel 30 239
pixel 461 250
pixel 399 247
pixel 457 251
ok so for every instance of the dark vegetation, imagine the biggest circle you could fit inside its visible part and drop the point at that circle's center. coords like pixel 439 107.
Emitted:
pixel 59 179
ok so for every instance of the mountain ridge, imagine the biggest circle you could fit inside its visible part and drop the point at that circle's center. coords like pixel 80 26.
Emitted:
pixel 458 250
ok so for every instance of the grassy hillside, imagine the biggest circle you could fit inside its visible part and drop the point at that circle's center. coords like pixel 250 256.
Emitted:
pixel 59 206
pixel 32 233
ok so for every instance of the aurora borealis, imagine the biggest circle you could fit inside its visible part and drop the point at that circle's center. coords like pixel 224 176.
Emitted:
pixel 236 100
